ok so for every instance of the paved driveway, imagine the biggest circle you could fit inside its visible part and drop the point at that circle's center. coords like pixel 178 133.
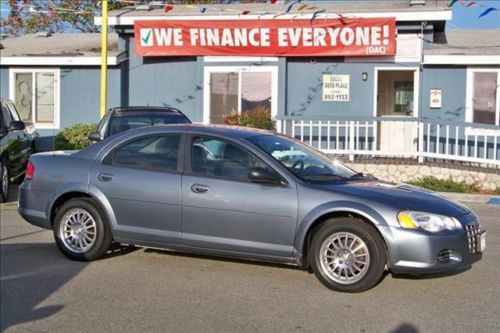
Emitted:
pixel 149 290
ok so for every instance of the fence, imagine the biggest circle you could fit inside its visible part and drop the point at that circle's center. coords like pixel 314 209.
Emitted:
pixel 398 138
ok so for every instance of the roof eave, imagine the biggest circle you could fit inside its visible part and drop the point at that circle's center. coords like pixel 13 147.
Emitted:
pixel 453 59
pixel 60 60
pixel 401 16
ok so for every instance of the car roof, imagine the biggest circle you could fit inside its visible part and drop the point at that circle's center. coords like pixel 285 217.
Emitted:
pixel 232 132
pixel 235 132
pixel 141 109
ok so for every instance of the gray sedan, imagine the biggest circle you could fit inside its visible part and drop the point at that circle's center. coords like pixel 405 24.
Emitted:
pixel 246 194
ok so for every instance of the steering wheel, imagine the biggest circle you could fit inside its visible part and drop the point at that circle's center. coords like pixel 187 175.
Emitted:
pixel 298 165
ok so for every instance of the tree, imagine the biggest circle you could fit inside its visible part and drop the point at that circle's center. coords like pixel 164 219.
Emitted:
pixel 31 16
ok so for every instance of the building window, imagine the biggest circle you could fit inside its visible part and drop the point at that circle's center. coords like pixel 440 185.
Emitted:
pixel 483 96
pixel 35 93
pixel 239 89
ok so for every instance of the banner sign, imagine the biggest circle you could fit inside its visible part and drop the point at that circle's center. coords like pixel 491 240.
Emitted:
pixel 320 37
pixel 336 88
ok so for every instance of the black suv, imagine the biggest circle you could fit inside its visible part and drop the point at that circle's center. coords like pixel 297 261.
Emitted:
pixel 120 119
pixel 17 143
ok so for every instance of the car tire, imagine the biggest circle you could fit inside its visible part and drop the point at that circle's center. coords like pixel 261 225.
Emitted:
pixel 4 180
pixel 347 255
pixel 81 230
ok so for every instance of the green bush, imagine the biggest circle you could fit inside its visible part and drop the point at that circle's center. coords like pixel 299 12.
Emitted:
pixel 74 137
pixel 445 185
pixel 260 117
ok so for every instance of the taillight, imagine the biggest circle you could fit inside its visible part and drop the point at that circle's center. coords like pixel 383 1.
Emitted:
pixel 30 171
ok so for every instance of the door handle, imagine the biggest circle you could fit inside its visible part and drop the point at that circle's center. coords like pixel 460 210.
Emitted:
pixel 105 177
pixel 198 188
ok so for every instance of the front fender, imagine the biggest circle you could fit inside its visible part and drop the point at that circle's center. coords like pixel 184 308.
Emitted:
pixel 331 207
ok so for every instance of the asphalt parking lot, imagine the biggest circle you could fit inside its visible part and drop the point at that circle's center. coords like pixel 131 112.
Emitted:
pixel 140 290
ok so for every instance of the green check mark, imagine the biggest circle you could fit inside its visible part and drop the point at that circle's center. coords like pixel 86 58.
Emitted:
pixel 146 39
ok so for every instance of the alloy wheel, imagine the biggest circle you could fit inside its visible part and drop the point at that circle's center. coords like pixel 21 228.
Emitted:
pixel 344 258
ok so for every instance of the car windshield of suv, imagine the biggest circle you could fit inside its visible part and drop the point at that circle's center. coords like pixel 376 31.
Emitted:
pixel 304 162
pixel 121 123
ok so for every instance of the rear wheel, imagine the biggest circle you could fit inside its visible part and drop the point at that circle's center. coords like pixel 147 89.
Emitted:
pixel 347 255
pixel 4 180
pixel 81 231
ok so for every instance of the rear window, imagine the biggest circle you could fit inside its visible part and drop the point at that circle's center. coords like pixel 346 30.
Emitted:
pixel 122 123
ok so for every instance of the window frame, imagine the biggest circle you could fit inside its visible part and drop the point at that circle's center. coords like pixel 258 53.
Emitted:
pixel 109 156
pixel 208 70
pixel 57 93
pixel 188 153
pixel 469 95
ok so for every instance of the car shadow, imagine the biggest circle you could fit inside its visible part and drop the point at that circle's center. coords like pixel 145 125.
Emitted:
pixel 217 258
pixel 30 273
pixel 428 276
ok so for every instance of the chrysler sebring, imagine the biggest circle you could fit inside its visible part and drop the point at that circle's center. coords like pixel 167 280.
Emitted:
pixel 247 194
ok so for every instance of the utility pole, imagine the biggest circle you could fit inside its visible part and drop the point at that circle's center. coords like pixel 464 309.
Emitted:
pixel 104 57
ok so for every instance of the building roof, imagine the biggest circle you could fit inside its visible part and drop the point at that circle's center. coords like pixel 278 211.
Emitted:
pixel 401 9
pixel 59 48
pixel 464 47
pixel 466 42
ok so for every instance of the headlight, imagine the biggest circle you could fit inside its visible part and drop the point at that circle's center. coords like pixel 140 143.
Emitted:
pixel 427 221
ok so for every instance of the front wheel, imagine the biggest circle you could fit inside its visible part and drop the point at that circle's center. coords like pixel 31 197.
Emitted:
pixel 4 181
pixel 347 255
pixel 81 231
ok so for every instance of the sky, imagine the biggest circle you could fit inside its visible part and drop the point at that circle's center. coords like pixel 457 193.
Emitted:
pixel 467 17
pixel 463 17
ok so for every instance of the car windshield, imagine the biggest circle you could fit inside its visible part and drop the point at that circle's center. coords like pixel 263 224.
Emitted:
pixel 303 161
pixel 122 123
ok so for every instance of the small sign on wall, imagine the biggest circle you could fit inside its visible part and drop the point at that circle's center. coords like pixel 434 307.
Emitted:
pixel 336 88
pixel 435 98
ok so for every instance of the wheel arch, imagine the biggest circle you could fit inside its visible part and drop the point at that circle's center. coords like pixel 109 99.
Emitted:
pixel 78 192
pixel 315 219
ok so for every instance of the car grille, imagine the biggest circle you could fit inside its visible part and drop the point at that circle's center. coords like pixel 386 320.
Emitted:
pixel 473 235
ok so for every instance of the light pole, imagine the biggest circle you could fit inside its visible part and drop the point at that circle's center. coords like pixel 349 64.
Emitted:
pixel 104 57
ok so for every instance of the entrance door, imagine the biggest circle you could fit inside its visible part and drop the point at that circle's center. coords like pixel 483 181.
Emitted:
pixel 396 100
pixel 235 90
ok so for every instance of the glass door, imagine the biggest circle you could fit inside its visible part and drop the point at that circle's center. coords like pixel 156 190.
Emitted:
pixel 231 91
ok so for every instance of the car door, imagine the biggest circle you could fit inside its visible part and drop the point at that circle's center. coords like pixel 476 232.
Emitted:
pixel 141 179
pixel 223 210
pixel 13 144
pixel 21 135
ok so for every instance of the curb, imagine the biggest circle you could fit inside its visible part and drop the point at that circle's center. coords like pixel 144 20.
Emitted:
pixel 466 197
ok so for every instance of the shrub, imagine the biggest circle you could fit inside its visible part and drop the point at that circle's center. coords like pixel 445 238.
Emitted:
pixel 74 137
pixel 260 117
pixel 445 185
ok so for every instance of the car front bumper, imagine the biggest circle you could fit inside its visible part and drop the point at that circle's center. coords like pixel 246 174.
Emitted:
pixel 417 252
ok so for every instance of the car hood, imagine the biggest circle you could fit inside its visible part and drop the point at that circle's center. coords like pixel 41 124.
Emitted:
pixel 399 196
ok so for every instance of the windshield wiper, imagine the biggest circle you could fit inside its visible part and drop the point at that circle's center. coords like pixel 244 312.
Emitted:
pixel 324 175
pixel 360 175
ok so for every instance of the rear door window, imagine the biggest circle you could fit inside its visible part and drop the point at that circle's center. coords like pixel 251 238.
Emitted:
pixel 157 152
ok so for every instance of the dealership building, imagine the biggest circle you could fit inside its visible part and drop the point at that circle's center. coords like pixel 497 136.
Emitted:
pixel 377 78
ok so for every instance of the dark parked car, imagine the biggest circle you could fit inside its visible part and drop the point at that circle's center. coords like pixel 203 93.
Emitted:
pixel 117 120
pixel 16 145
pixel 244 193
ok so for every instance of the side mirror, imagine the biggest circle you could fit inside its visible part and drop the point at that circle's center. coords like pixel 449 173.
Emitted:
pixel 94 136
pixel 16 125
pixel 264 176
